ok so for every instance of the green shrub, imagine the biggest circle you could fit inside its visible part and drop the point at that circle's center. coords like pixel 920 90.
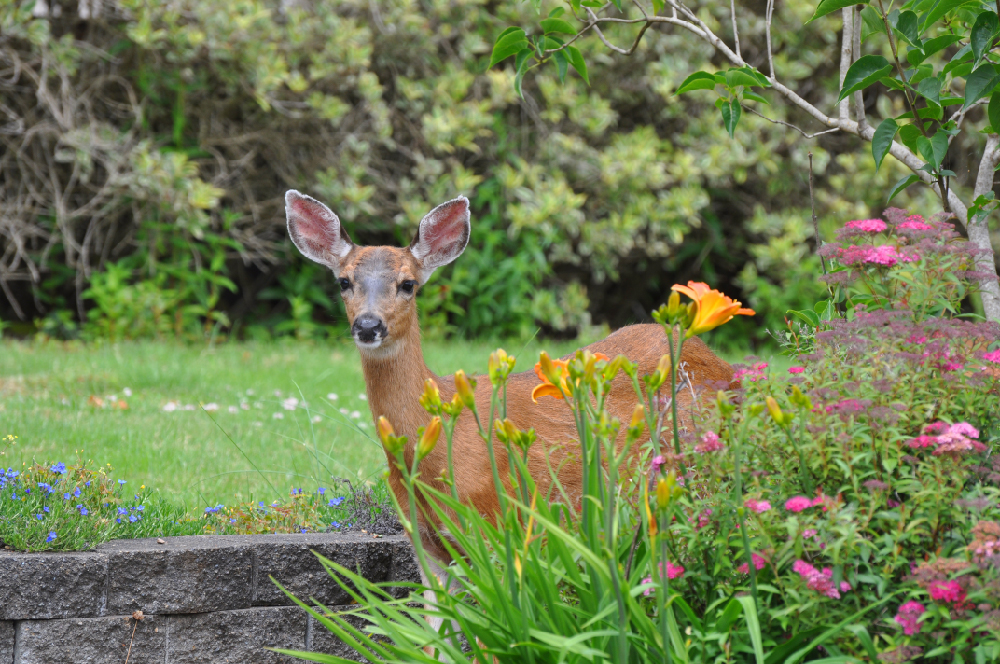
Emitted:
pixel 847 510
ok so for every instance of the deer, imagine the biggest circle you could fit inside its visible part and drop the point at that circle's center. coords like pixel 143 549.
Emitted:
pixel 379 286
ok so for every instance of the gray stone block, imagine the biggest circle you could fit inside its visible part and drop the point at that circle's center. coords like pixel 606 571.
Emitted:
pixel 323 641
pixel 191 574
pixel 291 561
pixel 51 585
pixel 404 564
pixel 91 640
pixel 236 636
pixel 6 642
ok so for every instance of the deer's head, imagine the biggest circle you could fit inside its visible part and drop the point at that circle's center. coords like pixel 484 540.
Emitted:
pixel 378 284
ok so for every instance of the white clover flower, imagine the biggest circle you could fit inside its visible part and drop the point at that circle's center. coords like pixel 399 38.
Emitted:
pixel 234 409
pixel 127 392
pixel 343 411
pixel 363 397
pixel 316 419
pixel 211 407
pixel 169 407
pixel 332 396
pixel 278 416
pixel 355 414
pixel 290 403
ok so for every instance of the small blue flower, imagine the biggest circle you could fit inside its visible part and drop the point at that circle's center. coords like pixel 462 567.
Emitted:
pixel 260 504
pixel 140 507
pixel 132 518
pixel 45 509
pixel 87 483
pixel 83 510
pixel 335 502
pixel 122 511
pixel 13 496
pixel 321 491
pixel 118 520
pixel 304 530
pixel 59 468
pixel 335 524
pixel 65 496
pixel 38 516
pixel 121 482
pixel 232 521
pixel 77 492
pixel 51 537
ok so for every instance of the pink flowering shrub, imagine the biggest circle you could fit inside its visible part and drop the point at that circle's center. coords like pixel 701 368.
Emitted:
pixel 871 483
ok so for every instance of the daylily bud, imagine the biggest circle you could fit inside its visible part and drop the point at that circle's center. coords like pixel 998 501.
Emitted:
pixel 385 430
pixel 663 493
pixel 799 399
pixel 780 418
pixel 498 365
pixel 501 432
pixel 638 416
pixel 548 368
pixel 464 386
pixel 664 366
pixel 755 409
pixel 431 398
pixel 512 432
pixel 429 438
pixel 651 520
pixel 674 305
pixel 453 407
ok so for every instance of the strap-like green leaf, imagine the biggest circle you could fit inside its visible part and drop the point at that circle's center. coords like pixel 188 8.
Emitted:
pixel 510 42
pixel 865 71
pixel 753 626
pixel 731 113
pixel 942 8
pixel 576 59
pixel 882 140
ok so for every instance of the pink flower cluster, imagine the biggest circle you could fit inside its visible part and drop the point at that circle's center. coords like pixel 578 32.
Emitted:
pixel 914 222
pixel 948 438
pixel 946 591
pixel 801 503
pixel 709 443
pixel 798 370
pixel 992 357
pixel 758 564
pixel 704 518
pixel 907 617
pixel 758 506
pixel 820 580
pixel 673 571
pixel 753 374
pixel 885 255
pixel 866 225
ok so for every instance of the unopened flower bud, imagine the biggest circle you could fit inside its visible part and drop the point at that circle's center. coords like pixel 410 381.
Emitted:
pixel 548 368
pixel 799 399
pixel 638 416
pixel 725 406
pixel 498 365
pixel 385 429
pixel 431 398
pixel 464 387
pixel 772 406
pixel 429 437
pixel 664 366
pixel 674 305
pixel 663 494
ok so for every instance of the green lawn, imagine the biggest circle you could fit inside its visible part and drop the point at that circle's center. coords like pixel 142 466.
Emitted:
pixel 50 398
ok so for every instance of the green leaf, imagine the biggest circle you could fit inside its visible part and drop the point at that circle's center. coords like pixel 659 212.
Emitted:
pixel 980 83
pixel 983 32
pixel 522 64
pixel 902 184
pixel 657 6
pixel 865 71
pixel 753 96
pixel 562 64
pixel 735 77
pixel 576 59
pixel 510 42
pixel 930 88
pixel 829 6
pixel 808 317
pixel 557 12
pixel 731 113
pixel 993 112
pixel 871 23
pixel 939 147
pixel 932 46
pixel 906 24
pixel 559 25
pixel 753 626
pixel 699 80
pixel 882 140
pixel 940 9
pixel 915 56
pixel 908 135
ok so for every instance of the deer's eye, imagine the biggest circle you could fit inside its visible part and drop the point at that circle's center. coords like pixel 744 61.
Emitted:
pixel 345 284
pixel 407 286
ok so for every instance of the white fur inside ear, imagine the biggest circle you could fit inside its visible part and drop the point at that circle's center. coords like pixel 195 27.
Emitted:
pixel 442 236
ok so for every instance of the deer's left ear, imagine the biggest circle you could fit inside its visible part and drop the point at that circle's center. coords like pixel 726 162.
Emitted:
pixel 442 236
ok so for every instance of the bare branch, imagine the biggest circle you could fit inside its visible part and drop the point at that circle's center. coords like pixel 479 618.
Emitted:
pixel 736 32
pixel 979 232
pixel 859 101
pixel 767 31
pixel 790 125
pixel 843 107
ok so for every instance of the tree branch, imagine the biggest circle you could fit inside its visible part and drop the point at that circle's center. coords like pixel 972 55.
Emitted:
pixel 843 106
pixel 790 125
pixel 979 231
pixel 859 101
pixel 736 32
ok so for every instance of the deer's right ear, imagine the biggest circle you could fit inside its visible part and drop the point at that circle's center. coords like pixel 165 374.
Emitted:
pixel 441 236
pixel 316 230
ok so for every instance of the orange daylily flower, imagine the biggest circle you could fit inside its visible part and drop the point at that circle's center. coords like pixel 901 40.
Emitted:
pixel 549 389
pixel 712 308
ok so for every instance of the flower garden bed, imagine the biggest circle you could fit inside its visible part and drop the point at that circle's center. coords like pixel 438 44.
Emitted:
pixel 183 599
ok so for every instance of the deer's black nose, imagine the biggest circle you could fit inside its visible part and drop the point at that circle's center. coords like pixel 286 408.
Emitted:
pixel 368 328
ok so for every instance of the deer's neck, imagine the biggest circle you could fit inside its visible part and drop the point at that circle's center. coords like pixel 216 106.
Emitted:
pixel 395 382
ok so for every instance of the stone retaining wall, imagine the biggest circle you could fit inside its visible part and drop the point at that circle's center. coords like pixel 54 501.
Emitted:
pixel 204 598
